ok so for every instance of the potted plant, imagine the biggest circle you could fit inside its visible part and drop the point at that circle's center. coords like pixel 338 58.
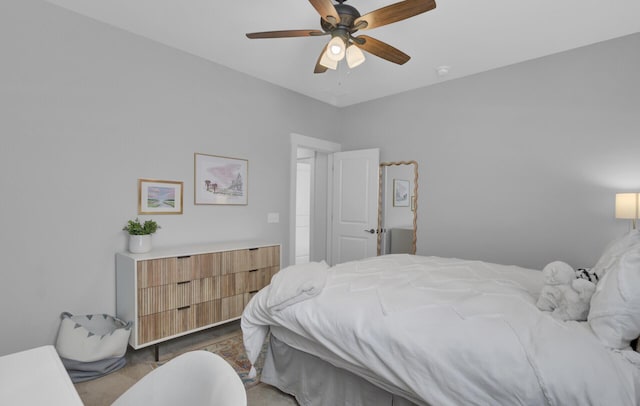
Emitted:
pixel 140 235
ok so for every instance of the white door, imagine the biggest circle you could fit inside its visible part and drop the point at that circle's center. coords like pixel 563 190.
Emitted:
pixel 355 205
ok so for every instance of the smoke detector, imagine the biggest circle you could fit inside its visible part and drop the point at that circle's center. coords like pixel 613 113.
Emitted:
pixel 443 70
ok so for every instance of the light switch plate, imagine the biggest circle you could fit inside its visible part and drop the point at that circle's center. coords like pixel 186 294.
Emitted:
pixel 273 217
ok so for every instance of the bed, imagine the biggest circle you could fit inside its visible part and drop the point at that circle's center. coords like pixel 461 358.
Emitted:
pixel 403 329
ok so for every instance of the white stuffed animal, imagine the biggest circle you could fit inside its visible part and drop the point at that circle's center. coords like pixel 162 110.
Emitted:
pixel 566 297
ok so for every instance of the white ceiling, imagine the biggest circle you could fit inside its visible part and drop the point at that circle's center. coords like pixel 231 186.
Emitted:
pixel 470 36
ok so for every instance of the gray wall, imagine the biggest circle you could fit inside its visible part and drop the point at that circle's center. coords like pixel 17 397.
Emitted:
pixel 86 110
pixel 518 165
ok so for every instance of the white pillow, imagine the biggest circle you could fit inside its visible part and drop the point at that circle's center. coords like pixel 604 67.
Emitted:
pixel 613 251
pixel 615 306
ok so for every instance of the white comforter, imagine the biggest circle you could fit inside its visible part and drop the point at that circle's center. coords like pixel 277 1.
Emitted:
pixel 450 332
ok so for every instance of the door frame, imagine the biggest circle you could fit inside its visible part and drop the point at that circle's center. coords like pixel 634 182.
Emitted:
pixel 316 144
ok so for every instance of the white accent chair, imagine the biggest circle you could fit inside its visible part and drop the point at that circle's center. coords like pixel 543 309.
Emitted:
pixel 196 378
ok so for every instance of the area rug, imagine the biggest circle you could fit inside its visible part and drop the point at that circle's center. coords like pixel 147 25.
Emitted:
pixel 231 348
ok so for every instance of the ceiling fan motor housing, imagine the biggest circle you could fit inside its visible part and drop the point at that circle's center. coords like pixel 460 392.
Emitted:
pixel 347 15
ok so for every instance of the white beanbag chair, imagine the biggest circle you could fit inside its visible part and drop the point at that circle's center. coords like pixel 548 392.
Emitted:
pixel 92 345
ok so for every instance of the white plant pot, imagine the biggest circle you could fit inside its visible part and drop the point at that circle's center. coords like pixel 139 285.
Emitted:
pixel 139 244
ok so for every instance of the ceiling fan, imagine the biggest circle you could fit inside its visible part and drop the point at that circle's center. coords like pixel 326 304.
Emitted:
pixel 342 21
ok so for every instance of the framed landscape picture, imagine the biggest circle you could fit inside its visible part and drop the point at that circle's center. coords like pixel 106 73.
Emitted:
pixel 400 193
pixel 159 196
pixel 220 180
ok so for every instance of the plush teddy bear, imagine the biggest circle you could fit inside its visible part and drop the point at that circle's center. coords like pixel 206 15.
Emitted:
pixel 564 295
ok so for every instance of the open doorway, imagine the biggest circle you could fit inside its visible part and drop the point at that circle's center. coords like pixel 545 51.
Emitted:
pixel 309 224
pixel 305 194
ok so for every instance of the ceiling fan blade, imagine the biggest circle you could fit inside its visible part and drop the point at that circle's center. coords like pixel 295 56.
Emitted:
pixel 320 68
pixel 380 49
pixel 286 34
pixel 393 13
pixel 326 10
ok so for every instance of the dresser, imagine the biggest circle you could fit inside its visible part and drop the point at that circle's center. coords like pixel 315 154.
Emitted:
pixel 171 292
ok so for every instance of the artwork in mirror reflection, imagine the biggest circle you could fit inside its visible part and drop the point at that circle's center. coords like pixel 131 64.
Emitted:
pixel 397 208
pixel 400 193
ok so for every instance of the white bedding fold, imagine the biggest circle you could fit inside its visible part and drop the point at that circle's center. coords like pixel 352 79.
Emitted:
pixel 296 283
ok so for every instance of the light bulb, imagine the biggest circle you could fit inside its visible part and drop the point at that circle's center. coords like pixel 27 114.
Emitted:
pixel 355 57
pixel 336 49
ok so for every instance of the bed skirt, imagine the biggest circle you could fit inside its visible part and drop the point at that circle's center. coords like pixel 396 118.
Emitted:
pixel 315 382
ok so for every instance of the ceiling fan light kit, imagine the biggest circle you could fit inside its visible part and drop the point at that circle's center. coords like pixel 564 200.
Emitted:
pixel 336 48
pixel 342 21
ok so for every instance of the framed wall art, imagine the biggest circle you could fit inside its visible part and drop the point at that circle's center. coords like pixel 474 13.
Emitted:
pixel 159 196
pixel 400 193
pixel 220 180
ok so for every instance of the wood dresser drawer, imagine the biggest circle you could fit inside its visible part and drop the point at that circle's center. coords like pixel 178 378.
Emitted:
pixel 165 297
pixel 208 313
pixel 232 306
pixel 165 324
pixel 259 278
pixel 249 259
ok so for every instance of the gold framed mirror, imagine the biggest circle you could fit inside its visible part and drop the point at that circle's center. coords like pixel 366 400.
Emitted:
pixel 397 207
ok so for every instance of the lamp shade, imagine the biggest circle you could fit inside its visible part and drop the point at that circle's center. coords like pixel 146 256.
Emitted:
pixel 328 62
pixel 355 56
pixel 627 205
pixel 336 48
